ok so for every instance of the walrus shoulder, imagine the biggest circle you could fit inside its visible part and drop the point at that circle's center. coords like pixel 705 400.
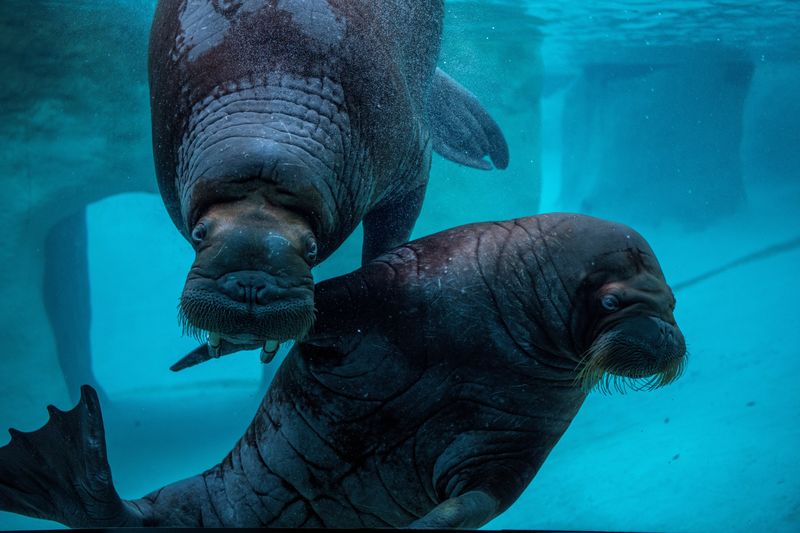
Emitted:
pixel 462 130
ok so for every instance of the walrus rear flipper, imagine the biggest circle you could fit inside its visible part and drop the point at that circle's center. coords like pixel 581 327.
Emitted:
pixel 60 472
pixel 461 128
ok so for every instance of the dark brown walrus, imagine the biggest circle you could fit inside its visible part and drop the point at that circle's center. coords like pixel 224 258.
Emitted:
pixel 436 382
pixel 278 127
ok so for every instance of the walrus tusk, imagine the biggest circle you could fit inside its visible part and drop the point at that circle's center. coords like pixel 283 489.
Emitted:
pixel 214 343
pixel 269 350
pixel 217 347
pixel 214 348
pixel 201 354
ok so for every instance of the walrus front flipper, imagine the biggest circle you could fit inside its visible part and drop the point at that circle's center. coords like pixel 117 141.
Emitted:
pixel 461 128
pixel 470 510
pixel 60 472
pixel 205 352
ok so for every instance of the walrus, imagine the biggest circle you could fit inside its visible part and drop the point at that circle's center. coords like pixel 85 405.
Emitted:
pixel 433 386
pixel 278 127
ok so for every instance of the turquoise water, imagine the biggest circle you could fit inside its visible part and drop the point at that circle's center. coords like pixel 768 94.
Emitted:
pixel 679 118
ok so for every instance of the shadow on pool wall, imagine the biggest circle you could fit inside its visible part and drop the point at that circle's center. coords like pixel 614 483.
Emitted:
pixel 75 129
pixel 771 133
pixel 495 52
pixel 655 136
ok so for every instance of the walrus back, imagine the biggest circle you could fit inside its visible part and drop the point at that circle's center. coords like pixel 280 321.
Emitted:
pixel 382 54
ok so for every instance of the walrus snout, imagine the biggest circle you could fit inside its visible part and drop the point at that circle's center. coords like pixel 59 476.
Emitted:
pixel 641 352
pixel 252 288
pixel 246 312
pixel 670 338
pixel 275 304
pixel 251 279
pixel 663 341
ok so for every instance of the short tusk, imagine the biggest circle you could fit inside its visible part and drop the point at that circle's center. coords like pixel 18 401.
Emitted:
pixel 214 344
pixel 269 350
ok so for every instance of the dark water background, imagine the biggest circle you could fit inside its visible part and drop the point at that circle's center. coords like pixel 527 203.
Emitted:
pixel 679 118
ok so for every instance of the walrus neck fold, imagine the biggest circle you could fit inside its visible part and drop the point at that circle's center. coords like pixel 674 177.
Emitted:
pixel 529 277
pixel 289 137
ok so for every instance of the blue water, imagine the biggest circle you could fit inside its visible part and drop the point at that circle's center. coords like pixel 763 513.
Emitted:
pixel 679 118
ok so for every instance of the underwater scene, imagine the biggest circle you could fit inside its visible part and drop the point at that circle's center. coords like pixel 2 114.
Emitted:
pixel 217 215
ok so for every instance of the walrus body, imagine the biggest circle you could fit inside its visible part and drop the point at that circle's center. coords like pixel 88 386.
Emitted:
pixel 436 382
pixel 279 126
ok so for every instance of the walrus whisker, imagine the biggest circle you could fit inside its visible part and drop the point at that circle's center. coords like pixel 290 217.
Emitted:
pixel 594 362
pixel 199 315
pixel 611 366
pixel 187 328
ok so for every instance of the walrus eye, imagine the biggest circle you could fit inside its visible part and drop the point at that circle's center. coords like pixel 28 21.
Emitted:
pixel 610 302
pixel 199 233
pixel 311 250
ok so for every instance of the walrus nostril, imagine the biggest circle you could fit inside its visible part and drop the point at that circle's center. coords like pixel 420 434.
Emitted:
pixel 667 336
pixel 262 296
pixel 246 287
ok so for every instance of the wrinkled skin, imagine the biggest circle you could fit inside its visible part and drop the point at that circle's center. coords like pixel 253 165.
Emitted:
pixel 436 382
pixel 279 126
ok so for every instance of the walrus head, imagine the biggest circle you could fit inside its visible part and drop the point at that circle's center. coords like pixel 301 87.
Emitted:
pixel 636 341
pixel 250 284
pixel 627 328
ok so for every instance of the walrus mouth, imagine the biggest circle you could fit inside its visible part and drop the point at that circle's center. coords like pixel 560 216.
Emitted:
pixel 218 345
pixel 618 361
pixel 202 315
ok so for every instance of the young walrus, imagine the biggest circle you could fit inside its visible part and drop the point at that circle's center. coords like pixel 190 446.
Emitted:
pixel 434 385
